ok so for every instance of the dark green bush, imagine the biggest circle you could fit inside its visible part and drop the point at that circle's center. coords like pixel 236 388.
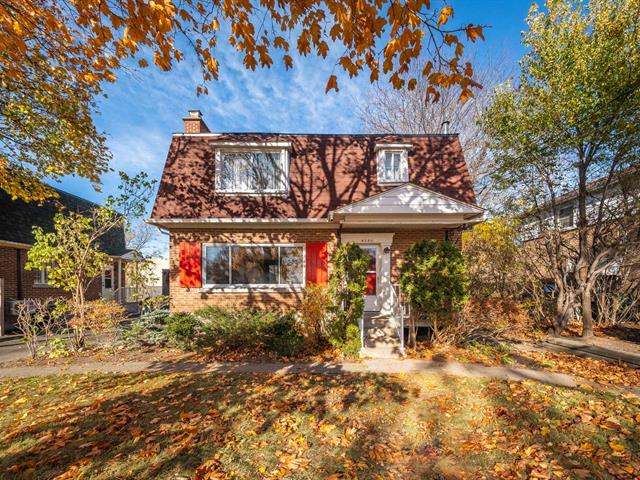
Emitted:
pixel 148 329
pixel 182 329
pixel 234 329
pixel 282 338
pixel 347 287
pixel 434 279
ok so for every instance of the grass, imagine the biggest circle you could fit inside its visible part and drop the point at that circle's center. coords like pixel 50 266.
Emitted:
pixel 303 426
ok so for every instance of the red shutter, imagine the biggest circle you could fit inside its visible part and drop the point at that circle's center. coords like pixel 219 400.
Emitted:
pixel 190 265
pixel 317 263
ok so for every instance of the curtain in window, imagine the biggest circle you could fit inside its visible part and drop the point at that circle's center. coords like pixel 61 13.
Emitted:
pixel 252 171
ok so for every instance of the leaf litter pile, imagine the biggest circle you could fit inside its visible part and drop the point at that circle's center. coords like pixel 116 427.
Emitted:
pixel 303 426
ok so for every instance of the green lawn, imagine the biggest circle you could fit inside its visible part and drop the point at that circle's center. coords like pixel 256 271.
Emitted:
pixel 311 426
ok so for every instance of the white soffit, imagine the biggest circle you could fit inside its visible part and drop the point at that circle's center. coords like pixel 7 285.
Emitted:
pixel 410 199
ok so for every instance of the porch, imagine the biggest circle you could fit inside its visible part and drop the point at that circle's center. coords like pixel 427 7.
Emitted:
pixel 385 226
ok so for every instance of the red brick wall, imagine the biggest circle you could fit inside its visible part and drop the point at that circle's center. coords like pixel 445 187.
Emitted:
pixel 9 259
pixel 8 271
pixel 190 299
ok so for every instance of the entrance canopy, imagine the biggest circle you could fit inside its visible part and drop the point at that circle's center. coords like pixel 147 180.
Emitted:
pixel 408 205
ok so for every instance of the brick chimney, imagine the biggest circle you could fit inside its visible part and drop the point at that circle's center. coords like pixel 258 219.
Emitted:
pixel 193 123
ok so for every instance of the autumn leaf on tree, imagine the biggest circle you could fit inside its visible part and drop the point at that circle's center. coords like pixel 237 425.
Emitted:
pixel 56 56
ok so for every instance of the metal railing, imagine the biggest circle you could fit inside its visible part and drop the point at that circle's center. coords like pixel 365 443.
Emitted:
pixel 399 310
pixel 361 321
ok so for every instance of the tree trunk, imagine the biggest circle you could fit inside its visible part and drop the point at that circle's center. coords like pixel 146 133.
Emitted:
pixel 564 308
pixel 412 331
pixel 587 314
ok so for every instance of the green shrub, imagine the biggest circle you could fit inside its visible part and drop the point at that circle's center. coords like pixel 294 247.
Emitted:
pixel 58 347
pixel 434 279
pixel 148 329
pixel 182 329
pixel 347 286
pixel 282 338
pixel 351 345
pixel 234 329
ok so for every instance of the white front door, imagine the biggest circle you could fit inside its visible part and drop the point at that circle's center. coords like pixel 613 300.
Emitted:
pixel 107 283
pixel 371 302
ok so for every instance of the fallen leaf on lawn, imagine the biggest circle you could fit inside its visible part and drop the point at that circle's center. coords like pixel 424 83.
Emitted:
pixel 616 447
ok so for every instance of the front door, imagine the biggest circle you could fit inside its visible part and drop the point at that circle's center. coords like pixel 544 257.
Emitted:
pixel 371 303
pixel 107 283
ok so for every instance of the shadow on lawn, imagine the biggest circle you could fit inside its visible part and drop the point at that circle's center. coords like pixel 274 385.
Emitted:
pixel 186 420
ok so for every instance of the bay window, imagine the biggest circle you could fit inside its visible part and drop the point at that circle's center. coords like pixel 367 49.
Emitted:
pixel 253 265
pixel 252 171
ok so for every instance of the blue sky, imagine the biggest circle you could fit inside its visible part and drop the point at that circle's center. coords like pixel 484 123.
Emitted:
pixel 143 108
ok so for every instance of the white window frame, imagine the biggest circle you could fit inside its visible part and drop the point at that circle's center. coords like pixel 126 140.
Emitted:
pixel 42 277
pixel 571 217
pixel 284 154
pixel 404 165
pixel 240 286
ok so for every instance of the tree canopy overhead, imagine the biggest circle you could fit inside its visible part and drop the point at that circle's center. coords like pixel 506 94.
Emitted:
pixel 56 54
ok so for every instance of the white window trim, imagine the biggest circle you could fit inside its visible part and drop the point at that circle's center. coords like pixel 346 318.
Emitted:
pixel 38 280
pixel 284 153
pixel 239 287
pixel 571 217
pixel 404 165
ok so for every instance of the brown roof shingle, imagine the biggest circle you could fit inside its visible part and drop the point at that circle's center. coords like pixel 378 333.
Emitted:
pixel 326 172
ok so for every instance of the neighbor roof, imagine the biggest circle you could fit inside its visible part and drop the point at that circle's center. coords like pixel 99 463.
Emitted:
pixel 17 219
pixel 326 172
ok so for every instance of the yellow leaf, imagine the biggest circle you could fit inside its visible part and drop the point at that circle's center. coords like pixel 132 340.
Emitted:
pixel 616 447
pixel 262 469
pixel 445 14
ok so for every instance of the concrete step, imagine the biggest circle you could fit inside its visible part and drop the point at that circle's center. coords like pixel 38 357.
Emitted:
pixel 382 352
pixel 380 337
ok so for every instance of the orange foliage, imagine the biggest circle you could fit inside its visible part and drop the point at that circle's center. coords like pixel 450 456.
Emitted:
pixel 91 38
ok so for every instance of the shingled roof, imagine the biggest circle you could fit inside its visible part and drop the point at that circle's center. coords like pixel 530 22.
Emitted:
pixel 327 171
pixel 17 219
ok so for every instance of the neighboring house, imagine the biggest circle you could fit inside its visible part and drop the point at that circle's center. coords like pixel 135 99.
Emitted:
pixel 254 217
pixel 17 219
pixel 567 218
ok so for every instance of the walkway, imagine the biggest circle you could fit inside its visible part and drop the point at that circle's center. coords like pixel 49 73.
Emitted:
pixel 384 366
pixel 600 349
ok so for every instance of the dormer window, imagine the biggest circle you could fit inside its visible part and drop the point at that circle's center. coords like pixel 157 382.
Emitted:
pixel 252 170
pixel 393 163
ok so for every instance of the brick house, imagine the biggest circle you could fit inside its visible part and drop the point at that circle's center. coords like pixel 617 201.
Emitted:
pixel 253 217
pixel 17 219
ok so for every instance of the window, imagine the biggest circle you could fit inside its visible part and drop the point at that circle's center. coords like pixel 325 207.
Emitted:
pixel 392 166
pixel 565 217
pixel 42 276
pixel 107 278
pixel 252 171
pixel 251 265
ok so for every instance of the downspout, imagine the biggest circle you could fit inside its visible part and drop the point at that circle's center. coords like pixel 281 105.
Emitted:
pixel 120 280
pixel 19 274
